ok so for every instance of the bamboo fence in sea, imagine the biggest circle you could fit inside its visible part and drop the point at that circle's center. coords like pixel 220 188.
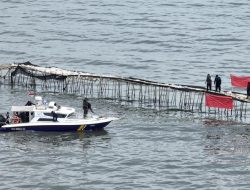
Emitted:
pixel 132 91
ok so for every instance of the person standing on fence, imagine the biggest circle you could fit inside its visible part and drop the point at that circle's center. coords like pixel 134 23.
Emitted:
pixel 209 82
pixel 217 82
pixel 248 90
pixel 86 107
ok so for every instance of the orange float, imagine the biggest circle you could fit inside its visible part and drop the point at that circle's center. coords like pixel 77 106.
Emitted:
pixel 15 119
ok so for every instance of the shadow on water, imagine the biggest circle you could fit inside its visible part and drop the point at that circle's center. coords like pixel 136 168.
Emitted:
pixel 213 122
pixel 33 140
pixel 226 137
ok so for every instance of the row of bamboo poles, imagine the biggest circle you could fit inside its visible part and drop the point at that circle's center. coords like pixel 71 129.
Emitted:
pixel 136 92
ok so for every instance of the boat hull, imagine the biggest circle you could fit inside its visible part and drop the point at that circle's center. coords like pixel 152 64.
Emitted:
pixel 56 127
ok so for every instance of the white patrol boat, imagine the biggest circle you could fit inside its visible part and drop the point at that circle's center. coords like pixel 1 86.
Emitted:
pixel 51 117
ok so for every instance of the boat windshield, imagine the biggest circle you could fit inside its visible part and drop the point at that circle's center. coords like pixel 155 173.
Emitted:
pixel 59 115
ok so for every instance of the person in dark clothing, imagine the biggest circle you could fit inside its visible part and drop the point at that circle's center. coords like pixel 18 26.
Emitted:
pixel 248 89
pixel 209 82
pixel 7 117
pixel 29 103
pixel 86 107
pixel 54 115
pixel 217 82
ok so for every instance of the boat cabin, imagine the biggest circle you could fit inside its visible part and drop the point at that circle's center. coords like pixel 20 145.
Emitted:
pixel 25 114
pixel 22 114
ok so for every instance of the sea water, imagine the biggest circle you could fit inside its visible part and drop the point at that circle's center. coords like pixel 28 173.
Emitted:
pixel 171 41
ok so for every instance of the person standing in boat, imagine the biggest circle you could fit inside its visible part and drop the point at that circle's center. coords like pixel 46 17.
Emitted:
pixel 54 115
pixel 209 82
pixel 7 117
pixel 217 82
pixel 86 107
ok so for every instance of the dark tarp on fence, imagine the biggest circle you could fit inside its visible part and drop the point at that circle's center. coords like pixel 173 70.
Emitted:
pixel 20 69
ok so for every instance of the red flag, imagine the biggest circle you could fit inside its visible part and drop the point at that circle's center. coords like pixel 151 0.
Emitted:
pixel 239 81
pixel 218 101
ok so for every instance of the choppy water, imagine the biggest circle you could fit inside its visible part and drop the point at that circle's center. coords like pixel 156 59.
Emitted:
pixel 168 41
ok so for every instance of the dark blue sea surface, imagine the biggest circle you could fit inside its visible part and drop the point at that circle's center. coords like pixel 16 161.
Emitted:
pixel 167 41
